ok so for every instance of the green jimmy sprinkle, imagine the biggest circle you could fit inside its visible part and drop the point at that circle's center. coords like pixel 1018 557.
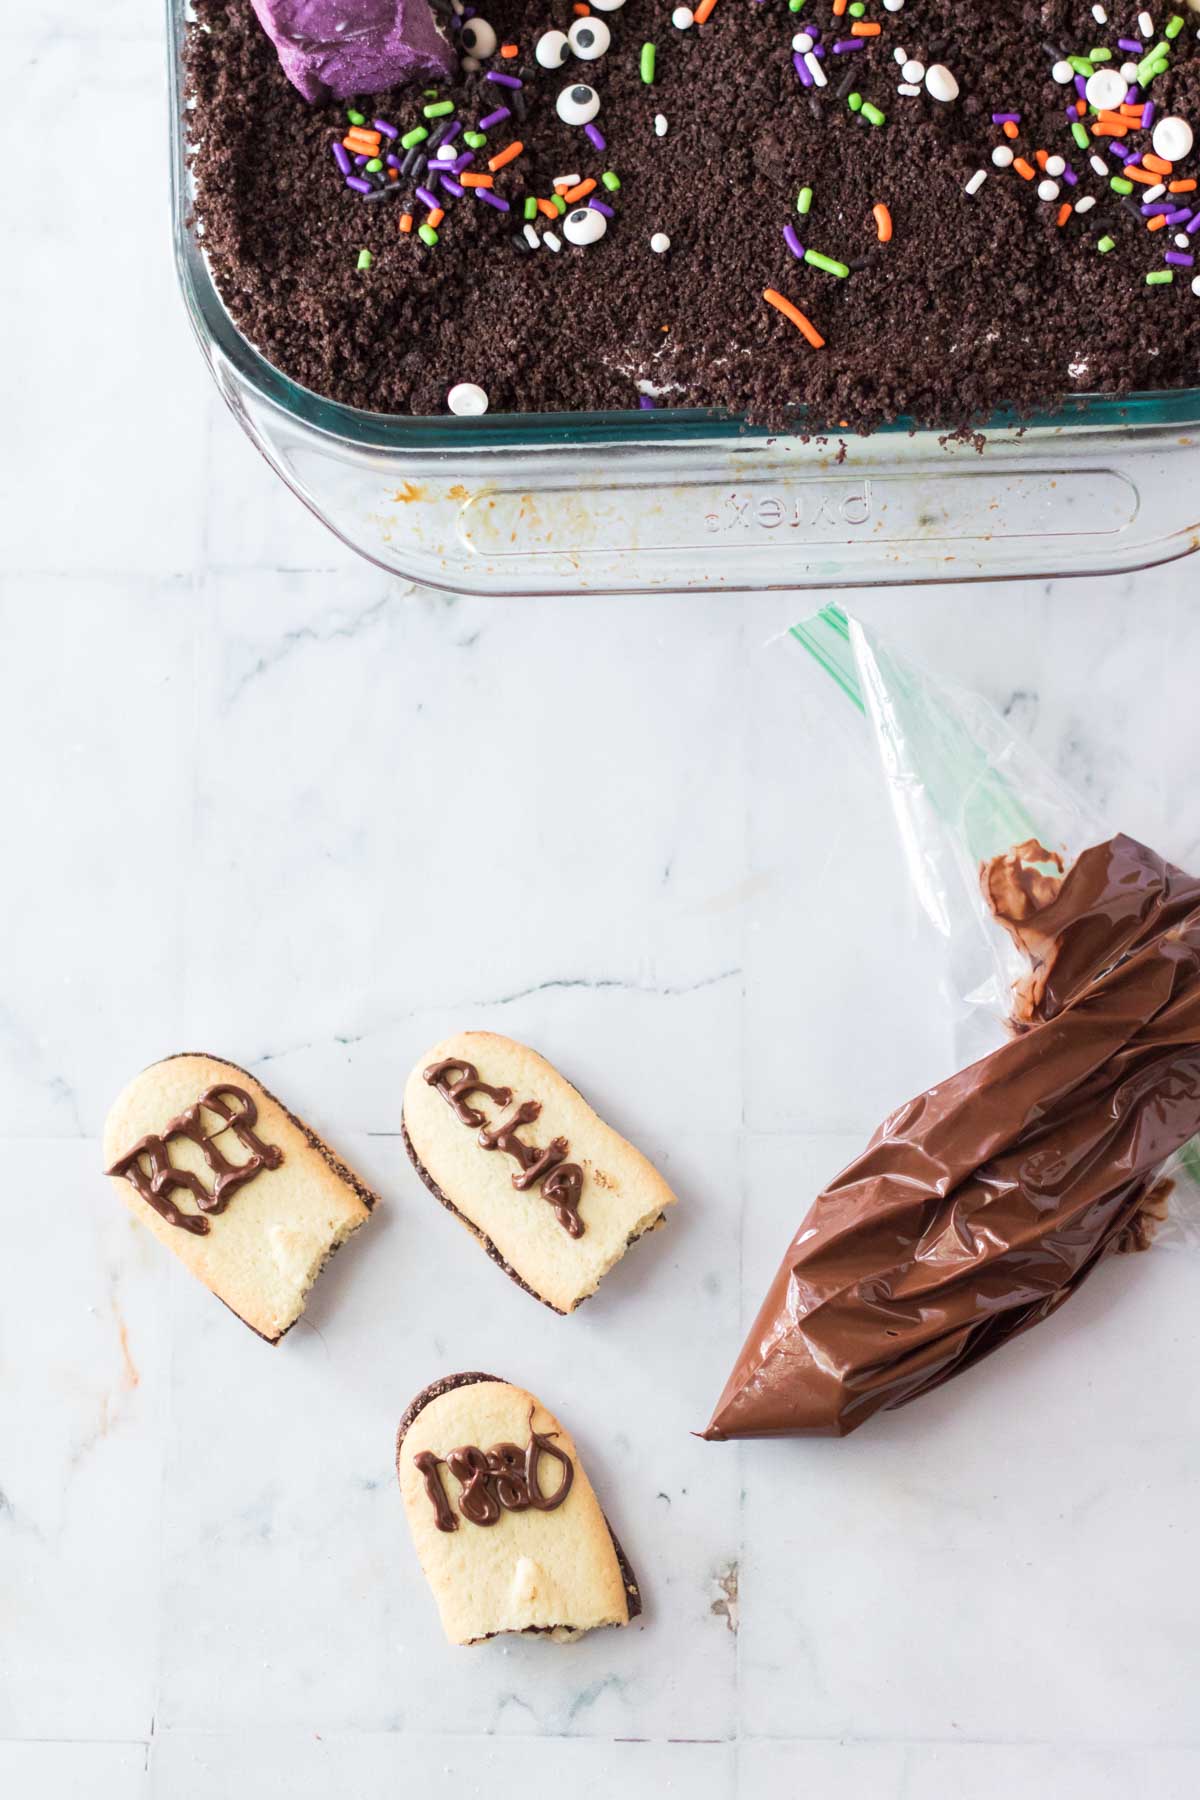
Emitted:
pixel 365 259
pixel 872 114
pixel 530 207
pixel 804 200
pixel 611 180
pixel 647 64
pixel 417 135
pixel 437 109
pixel 355 118
pixel 1160 278
pixel 1105 244
pixel 827 263
pixel 427 235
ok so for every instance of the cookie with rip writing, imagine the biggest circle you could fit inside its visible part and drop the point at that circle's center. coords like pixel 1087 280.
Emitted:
pixel 506 1525
pixel 247 1196
pixel 554 1195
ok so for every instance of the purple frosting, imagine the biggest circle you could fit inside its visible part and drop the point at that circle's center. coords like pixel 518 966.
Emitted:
pixel 337 49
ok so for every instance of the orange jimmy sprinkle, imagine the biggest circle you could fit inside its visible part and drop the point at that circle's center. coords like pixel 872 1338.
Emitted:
pixel 803 325
pixel 839 7
pixel 1064 213
pixel 582 10
pixel 509 154
pixel 1142 175
pixel 578 193
pixel 1010 130
pixel 1023 168
pixel 883 222
pixel 1041 158
pixel 1157 223
pixel 865 29
pixel 470 180
pixel 702 11
pixel 406 221
pixel 548 209
pixel 1181 187
pixel 435 215
pixel 510 50
pixel 1159 164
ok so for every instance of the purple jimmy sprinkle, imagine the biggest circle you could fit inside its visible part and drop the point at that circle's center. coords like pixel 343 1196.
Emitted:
pixel 793 242
pixel 1132 45
pixel 341 157
pixel 1180 258
pixel 1147 115
pixel 426 198
pixel 490 199
pixel 601 206
pixel 462 162
pixel 389 131
pixel 1151 207
pixel 801 68
pixel 1070 177
pixel 359 185
pixel 1006 118
pixel 845 44
pixel 1173 218
pixel 359 161
pixel 453 187
pixel 503 80
pixel 595 137
pixel 495 118
pixel 645 403
pixel 1193 224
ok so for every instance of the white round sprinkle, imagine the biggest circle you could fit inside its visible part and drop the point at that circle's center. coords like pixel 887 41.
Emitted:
pixel 1196 284
pixel 940 84
pixel 608 5
pixel 1062 72
pixel 660 243
pixel 552 49
pixel 1182 241
pixel 478 38
pixel 803 42
pixel 1106 90
pixel 584 225
pixel 913 70
pixel 467 400
pixel 682 17
pixel 1173 139
pixel 589 38
pixel 1002 156
pixel 660 124
pixel 577 104
pixel 1047 190
pixel 1055 166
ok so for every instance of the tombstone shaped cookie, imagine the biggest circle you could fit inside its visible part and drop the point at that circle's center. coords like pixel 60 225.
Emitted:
pixel 507 1528
pixel 245 1194
pixel 551 1192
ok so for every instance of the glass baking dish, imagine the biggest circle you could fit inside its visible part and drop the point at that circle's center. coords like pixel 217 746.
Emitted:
pixel 673 499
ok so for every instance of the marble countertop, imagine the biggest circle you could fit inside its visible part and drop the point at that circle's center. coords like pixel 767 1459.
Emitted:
pixel 263 800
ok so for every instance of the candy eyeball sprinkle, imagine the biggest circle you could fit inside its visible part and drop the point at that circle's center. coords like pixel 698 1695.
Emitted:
pixel 589 38
pixel 577 104
pixel 478 38
pixel 552 49
pixel 584 226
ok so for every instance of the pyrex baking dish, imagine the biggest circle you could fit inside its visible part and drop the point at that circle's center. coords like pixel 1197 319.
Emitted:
pixel 556 503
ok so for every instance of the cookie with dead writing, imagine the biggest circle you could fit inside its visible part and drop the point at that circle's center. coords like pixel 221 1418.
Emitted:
pixel 507 1527
pixel 554 1195
pixel 243 1192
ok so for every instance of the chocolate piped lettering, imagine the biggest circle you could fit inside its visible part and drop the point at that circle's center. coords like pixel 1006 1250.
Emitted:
pixel 562 1181
pixel 502 1479
pixel 156 1184
pixel 455 1092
